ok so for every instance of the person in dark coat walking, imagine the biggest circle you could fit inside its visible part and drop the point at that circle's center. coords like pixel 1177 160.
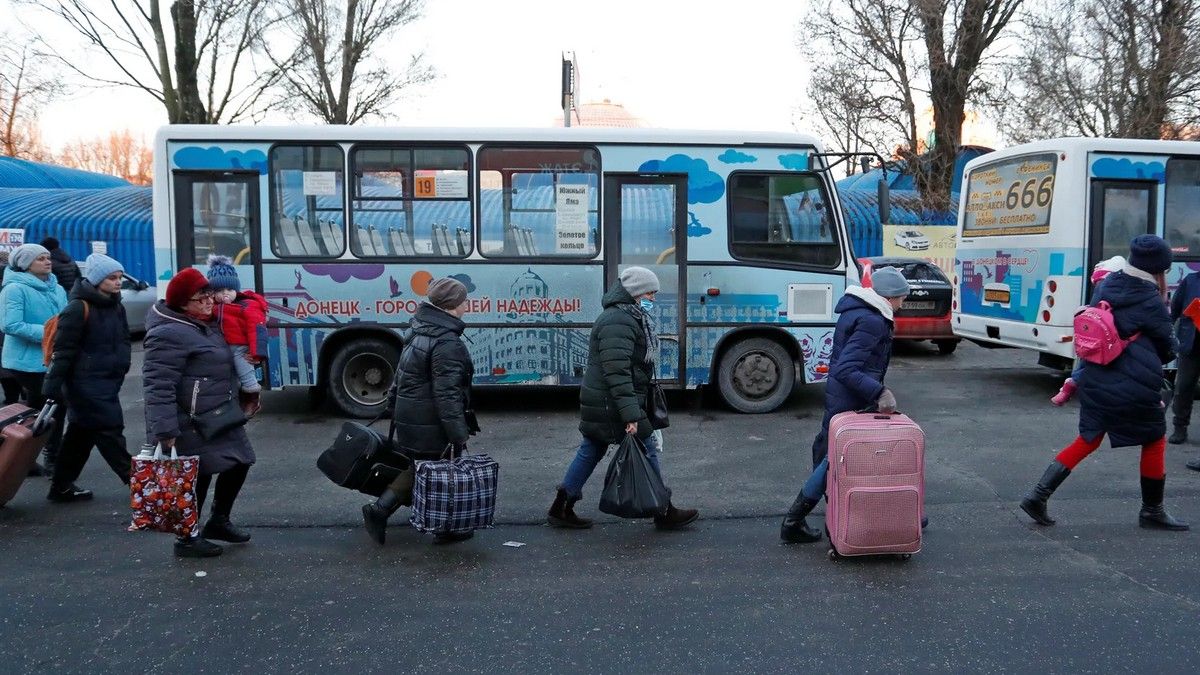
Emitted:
pixel 862 350
pixel 90 359
pixel 62 264
pixel 431 397
pixel 612 402
pixel 189 369
pixel 1185 312
pixel 1123 399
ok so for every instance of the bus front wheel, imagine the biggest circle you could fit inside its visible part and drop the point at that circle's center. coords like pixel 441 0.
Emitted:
pixel 756 375
pixel 360 375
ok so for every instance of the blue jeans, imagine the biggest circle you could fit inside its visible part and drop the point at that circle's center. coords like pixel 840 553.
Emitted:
pixel 589 454
pixel 814 487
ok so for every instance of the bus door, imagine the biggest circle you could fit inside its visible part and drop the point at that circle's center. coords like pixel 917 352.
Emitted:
pixel 645 223
pixel 217 212
pixel 1121 210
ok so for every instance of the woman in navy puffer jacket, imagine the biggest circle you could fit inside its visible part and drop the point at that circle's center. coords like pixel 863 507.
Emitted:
pixel 1123 399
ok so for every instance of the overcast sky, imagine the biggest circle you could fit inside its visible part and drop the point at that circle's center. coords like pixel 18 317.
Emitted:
pixel 673 63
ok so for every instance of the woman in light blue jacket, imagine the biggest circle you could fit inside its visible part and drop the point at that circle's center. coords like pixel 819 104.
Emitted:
pixel 30 296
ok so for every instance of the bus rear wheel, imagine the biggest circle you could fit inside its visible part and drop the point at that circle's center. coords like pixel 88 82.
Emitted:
pixel 360 375
pixel 756 375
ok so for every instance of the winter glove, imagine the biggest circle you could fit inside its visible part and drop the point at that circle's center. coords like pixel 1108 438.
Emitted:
pixel 52 389
pixel 886 402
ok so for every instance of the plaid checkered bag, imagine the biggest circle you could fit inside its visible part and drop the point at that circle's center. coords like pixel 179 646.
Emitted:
pixel 456 495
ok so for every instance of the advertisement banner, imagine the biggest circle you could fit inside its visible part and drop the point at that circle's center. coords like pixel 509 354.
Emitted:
pixel 934 243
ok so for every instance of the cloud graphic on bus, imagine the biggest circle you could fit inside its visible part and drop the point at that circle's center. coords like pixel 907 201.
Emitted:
pixel 341 273
pixel 704 185
pixel 794 162
pixel 194 157
pixel 732 156
pixel 1124 168
pixel 695 227
pixel 466 281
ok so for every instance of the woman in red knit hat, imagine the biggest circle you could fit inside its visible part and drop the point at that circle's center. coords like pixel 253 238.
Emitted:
pixel 189 370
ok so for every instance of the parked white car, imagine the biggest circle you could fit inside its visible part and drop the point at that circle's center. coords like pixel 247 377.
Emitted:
pixel 912 240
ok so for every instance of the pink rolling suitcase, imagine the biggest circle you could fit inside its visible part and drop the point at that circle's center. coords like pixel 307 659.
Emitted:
pixel 875 485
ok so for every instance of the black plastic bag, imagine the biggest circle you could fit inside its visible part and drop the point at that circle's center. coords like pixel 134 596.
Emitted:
pixel 632 489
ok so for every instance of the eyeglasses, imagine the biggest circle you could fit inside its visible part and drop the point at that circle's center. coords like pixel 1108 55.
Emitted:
pixel 207 297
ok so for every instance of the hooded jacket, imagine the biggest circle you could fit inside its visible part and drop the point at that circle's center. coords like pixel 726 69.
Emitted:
pixel 1123 399
pixel 28 303
pixel 244 321
pixel 189 366
pixel 91 357
pixel 618 377
pixel 432 392
pixel 64 268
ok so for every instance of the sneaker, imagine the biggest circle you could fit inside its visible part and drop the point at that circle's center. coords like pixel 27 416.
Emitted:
pixel 70 493
pixel 196 547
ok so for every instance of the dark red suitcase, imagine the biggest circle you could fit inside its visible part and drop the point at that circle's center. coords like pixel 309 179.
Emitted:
pixel 24 432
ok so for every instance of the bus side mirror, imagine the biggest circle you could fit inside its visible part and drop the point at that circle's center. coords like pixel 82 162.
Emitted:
pixel 885 202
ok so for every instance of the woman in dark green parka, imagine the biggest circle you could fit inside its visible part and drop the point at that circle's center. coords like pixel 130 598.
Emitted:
pixel 612 401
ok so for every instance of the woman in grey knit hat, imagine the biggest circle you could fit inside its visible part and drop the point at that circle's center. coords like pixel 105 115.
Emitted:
pixel 612 402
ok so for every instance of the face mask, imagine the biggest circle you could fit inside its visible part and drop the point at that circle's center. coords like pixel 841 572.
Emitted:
pixel 647 304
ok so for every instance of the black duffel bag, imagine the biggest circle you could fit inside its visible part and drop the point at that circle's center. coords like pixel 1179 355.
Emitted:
pixel 363 459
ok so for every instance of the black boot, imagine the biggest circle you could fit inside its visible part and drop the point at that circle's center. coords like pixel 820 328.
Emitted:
pixel 196 547
pixel 795 529
pixel 68 493
pixel 562 513
pixel 1179 435
pixel 676 519
pixel 1153 515
pixel 1034 502
pixel 218 527
pixel 375 515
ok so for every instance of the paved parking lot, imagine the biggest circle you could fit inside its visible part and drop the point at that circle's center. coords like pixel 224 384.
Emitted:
pixel 989 593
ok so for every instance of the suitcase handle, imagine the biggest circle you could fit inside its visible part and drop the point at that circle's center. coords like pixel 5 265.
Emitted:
pixel 45 418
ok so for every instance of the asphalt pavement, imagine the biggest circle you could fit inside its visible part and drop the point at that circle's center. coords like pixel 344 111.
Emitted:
pixel 990 592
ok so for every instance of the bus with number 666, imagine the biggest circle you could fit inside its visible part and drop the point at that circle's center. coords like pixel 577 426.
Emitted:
pixel 1034 220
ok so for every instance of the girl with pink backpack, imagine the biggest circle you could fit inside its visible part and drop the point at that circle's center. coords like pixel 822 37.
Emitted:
pixel 1121 399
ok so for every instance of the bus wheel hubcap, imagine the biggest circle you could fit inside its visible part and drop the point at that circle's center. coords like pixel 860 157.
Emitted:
pixel 755 375
pixel 366 378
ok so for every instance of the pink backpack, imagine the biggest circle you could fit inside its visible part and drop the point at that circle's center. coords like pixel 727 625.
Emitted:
pixel 1096 338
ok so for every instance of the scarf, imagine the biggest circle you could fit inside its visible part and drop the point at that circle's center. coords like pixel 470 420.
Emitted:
pixel 647 324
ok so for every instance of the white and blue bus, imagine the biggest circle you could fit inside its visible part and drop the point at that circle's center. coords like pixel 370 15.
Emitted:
pixel 342 228
pixel 1036 218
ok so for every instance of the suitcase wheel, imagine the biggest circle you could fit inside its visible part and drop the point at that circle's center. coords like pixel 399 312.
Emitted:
pixel 905 556
pixel 833 555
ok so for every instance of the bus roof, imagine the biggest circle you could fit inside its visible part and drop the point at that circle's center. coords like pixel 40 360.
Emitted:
pixel 1078 144
pixel 596 135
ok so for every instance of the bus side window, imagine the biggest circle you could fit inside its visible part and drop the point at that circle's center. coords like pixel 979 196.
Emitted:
pixel 781 217
pixel 308 201
pixel 1181 217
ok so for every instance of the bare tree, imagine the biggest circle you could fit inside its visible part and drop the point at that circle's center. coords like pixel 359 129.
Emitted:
pixel 1126 68
pixel 957 34
pixel 876 45
pixel 26 84
pixel 196 60
pixel 118 154
pixel 843 101
pixel 333 75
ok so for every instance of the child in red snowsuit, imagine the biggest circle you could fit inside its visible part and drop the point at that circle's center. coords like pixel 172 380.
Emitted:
pixel 243 319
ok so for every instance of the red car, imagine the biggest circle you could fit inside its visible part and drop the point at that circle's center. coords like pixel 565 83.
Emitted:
pixel 925 314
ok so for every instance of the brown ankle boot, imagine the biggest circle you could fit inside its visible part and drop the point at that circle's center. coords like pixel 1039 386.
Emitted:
pixel 675 519
pixel 562 513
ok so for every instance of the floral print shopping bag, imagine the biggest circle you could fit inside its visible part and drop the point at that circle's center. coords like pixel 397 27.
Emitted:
pixel 162 492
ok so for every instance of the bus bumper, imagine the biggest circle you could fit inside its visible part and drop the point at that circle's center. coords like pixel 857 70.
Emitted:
pixel 1038 337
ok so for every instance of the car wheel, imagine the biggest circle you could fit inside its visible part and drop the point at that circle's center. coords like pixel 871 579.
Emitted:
pixel 946 347
pixel 360 375
pixel 756 375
